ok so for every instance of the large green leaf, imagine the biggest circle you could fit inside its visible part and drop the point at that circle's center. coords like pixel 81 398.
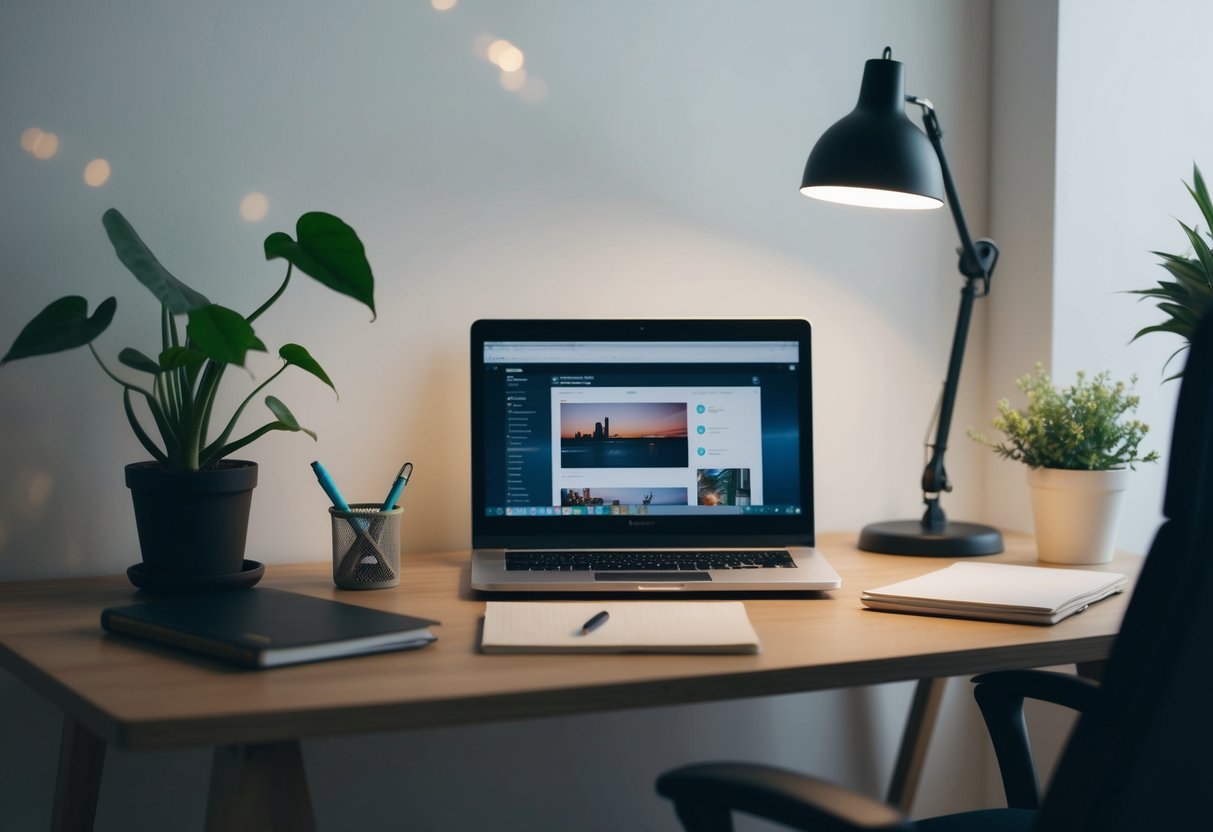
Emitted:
pixel 222 334
pixel 62 325
pixel 330 251
pixel 173 295
pixel 286 419
pixel 297 356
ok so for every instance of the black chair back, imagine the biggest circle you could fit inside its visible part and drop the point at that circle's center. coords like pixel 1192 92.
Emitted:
pixel 1140 759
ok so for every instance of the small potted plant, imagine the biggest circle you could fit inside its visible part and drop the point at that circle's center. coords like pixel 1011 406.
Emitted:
pixel 1079 444
pixel 1188 295
pixel 191 500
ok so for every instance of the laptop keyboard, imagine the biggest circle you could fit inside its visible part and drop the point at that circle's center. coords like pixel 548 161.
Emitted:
pixel 631 561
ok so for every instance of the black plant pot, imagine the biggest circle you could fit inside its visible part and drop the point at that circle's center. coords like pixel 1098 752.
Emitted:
pixel 192 524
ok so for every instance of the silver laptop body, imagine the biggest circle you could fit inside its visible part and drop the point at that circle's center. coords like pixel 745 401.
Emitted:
pixel 643 455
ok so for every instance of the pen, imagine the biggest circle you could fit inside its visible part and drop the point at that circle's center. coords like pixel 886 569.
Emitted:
pixel 330 487
pixel 594 623
pixel 402 479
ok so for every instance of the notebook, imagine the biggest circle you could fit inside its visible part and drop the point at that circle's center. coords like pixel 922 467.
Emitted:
pixel 998 592
pixel 629 627
pixel 264 627
pixel 643 456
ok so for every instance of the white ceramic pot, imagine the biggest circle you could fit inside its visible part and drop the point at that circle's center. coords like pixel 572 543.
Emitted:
pixel 1076 513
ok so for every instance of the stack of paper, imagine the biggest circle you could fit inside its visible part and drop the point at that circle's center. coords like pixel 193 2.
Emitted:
pixel 998 591
pixel 630 627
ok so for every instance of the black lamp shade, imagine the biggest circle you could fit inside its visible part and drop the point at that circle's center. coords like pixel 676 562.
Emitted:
pixel 875 156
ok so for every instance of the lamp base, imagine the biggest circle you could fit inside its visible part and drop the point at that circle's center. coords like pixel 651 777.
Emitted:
pixel 911 537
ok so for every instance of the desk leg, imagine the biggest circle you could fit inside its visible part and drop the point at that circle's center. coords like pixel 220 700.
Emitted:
pixel 259 787
pixel 924 709
pixel 81 756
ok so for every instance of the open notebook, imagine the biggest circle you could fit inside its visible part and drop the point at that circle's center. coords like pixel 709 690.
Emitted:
pixel 998 592
pixel 631 627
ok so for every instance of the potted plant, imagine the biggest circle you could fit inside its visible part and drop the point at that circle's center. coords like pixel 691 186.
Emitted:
pixel 1079 443
pixel 1189 294
pixel 191 500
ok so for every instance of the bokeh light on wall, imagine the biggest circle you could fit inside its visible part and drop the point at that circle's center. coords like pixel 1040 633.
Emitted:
pixel 510 59
pixel 443 5
pixel 506 55
pixel 39 143
pixel 254 207
pixel 97 173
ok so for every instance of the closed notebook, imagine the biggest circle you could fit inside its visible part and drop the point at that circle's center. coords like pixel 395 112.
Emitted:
pixel 268 627
pixel 998 592
pixel 631 627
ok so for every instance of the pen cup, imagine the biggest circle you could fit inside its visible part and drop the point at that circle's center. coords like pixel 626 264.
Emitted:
pixel 366 546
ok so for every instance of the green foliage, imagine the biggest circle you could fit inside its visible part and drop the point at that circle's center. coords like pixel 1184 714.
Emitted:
pixel 199 339
pixel 1081 427
pixel 1188 295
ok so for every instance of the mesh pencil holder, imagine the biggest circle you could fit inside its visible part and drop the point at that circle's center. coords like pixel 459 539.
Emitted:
pixel 366 546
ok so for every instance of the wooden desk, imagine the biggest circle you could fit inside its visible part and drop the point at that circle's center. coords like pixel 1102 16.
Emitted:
pixel 115 692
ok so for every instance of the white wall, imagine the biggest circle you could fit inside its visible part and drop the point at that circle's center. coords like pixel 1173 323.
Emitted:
pixel 1096 127
pixel 662 164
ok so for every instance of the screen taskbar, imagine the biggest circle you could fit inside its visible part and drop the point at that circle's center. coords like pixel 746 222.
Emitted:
pixel 606 511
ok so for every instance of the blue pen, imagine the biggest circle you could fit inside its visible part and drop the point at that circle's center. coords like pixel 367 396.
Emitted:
pixel 402 479
pixel 330 487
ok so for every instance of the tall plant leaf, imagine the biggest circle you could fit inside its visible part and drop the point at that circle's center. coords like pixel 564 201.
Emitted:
pixel 1201 195
pixel 138 361
pixel 286 419
pixel 63 325
pixel 174 295
pixel 221 334
pixel 330 251
pixel 1203 254
pixel 297 356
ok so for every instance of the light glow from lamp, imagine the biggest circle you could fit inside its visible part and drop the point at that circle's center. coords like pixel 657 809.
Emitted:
pixel 872 197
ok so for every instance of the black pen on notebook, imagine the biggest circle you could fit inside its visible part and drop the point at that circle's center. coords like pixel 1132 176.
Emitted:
pixel 594 623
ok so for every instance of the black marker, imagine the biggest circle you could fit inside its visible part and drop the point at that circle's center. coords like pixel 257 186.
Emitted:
pixel 594 623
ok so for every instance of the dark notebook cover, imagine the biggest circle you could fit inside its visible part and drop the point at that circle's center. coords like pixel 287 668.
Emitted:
pixel 268 627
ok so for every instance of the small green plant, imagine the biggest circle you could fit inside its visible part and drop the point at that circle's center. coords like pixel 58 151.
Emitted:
pixel 1081 427
pixel 1189 296
pixel 200 339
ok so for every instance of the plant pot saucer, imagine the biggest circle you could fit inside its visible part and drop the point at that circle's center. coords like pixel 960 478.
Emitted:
pixel 189 585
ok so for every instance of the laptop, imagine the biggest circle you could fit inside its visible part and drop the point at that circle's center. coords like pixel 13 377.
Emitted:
pixel 643 455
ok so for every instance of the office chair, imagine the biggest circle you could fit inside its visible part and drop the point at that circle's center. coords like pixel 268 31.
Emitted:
pixel 1139 757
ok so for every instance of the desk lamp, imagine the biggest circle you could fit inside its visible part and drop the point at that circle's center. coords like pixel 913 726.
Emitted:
pixel 876 157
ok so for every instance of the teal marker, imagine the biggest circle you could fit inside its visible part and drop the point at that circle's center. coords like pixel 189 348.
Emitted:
pixel 330 487
pixel 402 479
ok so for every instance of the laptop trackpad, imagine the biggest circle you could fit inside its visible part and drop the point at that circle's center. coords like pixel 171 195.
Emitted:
pixel 650 577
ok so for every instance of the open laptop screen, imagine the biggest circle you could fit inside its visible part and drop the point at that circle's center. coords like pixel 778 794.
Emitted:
pixel 684 432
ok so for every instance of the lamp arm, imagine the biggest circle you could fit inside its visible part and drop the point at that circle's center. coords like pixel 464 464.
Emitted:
pixel 977 261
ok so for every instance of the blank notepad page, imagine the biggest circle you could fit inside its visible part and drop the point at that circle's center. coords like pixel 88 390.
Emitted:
pixel 633 626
